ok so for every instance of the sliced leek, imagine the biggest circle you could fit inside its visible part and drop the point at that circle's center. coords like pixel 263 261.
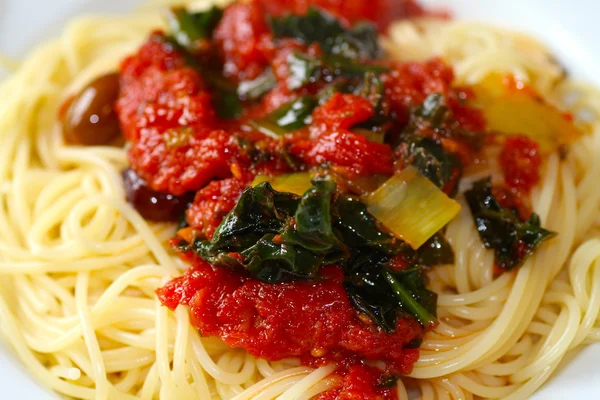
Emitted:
pixel 297 183
pixel 411 207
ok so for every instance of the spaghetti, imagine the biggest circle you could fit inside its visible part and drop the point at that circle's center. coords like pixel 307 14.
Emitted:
pixel 79 266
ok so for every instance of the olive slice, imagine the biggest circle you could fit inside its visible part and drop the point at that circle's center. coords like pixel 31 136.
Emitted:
pixel 90 118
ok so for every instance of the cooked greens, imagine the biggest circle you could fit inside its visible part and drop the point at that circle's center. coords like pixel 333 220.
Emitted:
pixel 318 26
pixel 277 236
pixel 501 229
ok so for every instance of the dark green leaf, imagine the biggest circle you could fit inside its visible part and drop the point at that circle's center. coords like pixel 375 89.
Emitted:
pixel 189 29
pixel 287 118
pixel 409 288
pixel 371 89
pixel 359 228
pixel 276 262
pixel 259 211
pixel 340 65
pixel 256 88
pixel 313 227
pixel 318 26
pixel 362 41
pixel 433 109
pixel 501 229
pixel 278 237
pixel 436 251
pixel 304 69
pixel 227 104
pixel 430 158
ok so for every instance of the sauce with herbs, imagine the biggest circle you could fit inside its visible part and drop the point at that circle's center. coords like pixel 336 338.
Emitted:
pixel 268 93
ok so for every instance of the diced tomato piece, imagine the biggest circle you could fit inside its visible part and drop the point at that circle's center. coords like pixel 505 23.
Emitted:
pixel 520 160
pixel 360 382
pixel 381 11
pixel 212 203
pixel 243 37
pixel 407 85
pixel 184 167
pixel 255 315
pixel 342 111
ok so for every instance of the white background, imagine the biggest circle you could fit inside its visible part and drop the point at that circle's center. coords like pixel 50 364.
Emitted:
pixel 570 28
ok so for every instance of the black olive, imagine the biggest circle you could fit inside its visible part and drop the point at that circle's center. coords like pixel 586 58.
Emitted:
pixel 91 118
pixel 152 205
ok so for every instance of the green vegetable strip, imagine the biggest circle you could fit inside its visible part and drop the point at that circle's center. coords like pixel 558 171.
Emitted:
pixel 408 302
pixel 183 27
pixel 297 183
pixel 411 207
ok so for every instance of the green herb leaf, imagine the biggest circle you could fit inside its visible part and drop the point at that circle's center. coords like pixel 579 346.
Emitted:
pixel 313 227
pixel 315 26
pixel 341 65
pixel 273 262
pixel 277 237
pixel 287 118
pixel 436 251
pixel 256 88
pixel 318 26
pixel 408 286
pixel 227 104
pixel 440 167
pixel 303 70
pixel 189 29
pixel 359 42
pixel 501 229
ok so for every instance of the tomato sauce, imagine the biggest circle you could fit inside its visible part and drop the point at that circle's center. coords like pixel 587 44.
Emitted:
pixel 178 144
pixel 311 320
pixel 380 11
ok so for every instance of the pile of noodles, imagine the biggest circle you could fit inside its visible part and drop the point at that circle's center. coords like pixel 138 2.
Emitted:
pixel 79 266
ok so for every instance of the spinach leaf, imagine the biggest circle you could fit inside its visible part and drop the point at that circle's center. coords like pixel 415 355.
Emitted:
pixel 340 65
pixel 226 103
pixel 303 69
pixel 271 261
pixel 359 42
pixel 368 291
pixel 256 88
pixel 189 29
pixel 287 118
pixel 501 229
pixel 430 158
pixel 358 228
pixel 318 26
pixel 436 251
pixel 277 237
pixel 313 227
pixel 259 211
pixel 315 26
pixel 409 288
pixel 372 89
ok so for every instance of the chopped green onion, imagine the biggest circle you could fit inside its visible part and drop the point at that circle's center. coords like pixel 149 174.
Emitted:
pixel 411 207
pixel 297 183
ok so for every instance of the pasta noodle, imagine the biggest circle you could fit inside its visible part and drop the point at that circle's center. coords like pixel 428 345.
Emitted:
pixel 79 266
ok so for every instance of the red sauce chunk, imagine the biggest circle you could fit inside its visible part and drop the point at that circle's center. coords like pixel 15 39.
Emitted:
pixel 312 320
pixel 293 106
pixel 381 11
pixel 520 160
pixel 242 38
pixel 361 382
pixel 332 142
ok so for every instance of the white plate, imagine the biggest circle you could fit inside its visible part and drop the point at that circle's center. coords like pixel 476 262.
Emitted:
pixel 570 28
